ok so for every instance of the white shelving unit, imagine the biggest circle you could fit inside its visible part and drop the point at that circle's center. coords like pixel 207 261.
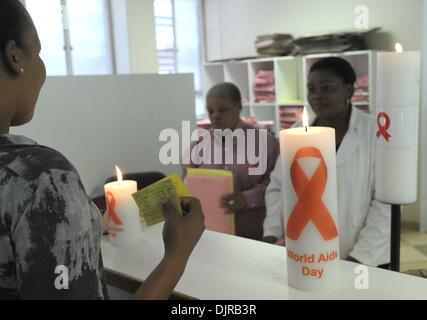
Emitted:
pixel 213 74
pixel 238 73
pixel 290 74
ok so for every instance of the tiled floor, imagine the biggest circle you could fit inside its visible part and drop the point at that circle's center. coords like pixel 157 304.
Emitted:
pixel 413 248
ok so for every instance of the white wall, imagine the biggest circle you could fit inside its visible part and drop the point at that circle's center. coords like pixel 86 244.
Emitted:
pixel 213 31
pixel 232 25
pixel 134 36
pixel 97 122
pixel 188 32
pixel 423 129
pixel 142 36
pixel 120 36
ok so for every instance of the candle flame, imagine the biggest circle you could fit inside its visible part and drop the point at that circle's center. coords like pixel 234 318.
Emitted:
pixel 119 175
pixel 398 47
pixel 305 119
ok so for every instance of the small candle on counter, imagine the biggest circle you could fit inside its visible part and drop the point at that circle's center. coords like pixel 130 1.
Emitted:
pixel 123 210
pixel 398 90
pixel 310 206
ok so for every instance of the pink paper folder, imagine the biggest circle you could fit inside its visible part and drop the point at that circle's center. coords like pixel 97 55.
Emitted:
pixel 209 186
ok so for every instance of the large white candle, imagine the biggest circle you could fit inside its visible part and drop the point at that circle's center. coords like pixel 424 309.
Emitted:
pixel 123 210
pixel 398 89
pixel 310 207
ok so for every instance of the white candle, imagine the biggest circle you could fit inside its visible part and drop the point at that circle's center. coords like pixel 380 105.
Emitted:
pixel 310 206
pixel 123 210
pixel 398 89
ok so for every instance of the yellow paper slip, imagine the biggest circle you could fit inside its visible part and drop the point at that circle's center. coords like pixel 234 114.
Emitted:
pixel 180 188
pixel 151 198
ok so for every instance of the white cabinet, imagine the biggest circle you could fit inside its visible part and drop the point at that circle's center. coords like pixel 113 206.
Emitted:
pixel 213 28
pixel 279 94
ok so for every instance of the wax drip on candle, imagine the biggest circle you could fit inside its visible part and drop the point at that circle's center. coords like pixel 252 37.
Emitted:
pixel 305 119
pixel 119 175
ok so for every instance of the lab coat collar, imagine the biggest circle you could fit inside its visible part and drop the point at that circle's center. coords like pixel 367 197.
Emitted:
pixel 351 140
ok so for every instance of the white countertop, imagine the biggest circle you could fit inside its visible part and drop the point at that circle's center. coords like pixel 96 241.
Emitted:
pixel 229 267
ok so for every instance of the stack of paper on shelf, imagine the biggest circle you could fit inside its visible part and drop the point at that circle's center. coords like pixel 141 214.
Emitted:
pixel 265 91
pixel 274 44
pixel 289 115
pixel 333 42
pixel 361 89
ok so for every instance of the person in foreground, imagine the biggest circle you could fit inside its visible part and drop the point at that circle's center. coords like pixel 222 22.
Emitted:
pixel 46 218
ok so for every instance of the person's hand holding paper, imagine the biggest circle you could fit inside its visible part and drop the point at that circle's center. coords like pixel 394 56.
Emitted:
pixel 151 199
pixel 181 233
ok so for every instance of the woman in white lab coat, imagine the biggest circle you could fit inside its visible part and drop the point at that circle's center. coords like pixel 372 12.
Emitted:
pixel 364 223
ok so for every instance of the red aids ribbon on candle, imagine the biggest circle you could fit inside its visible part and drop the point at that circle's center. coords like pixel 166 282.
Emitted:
pixel 382 129
pixel 310 205
pixel 111 204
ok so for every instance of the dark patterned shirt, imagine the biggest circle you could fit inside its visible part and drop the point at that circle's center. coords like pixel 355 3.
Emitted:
pixel 50 232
